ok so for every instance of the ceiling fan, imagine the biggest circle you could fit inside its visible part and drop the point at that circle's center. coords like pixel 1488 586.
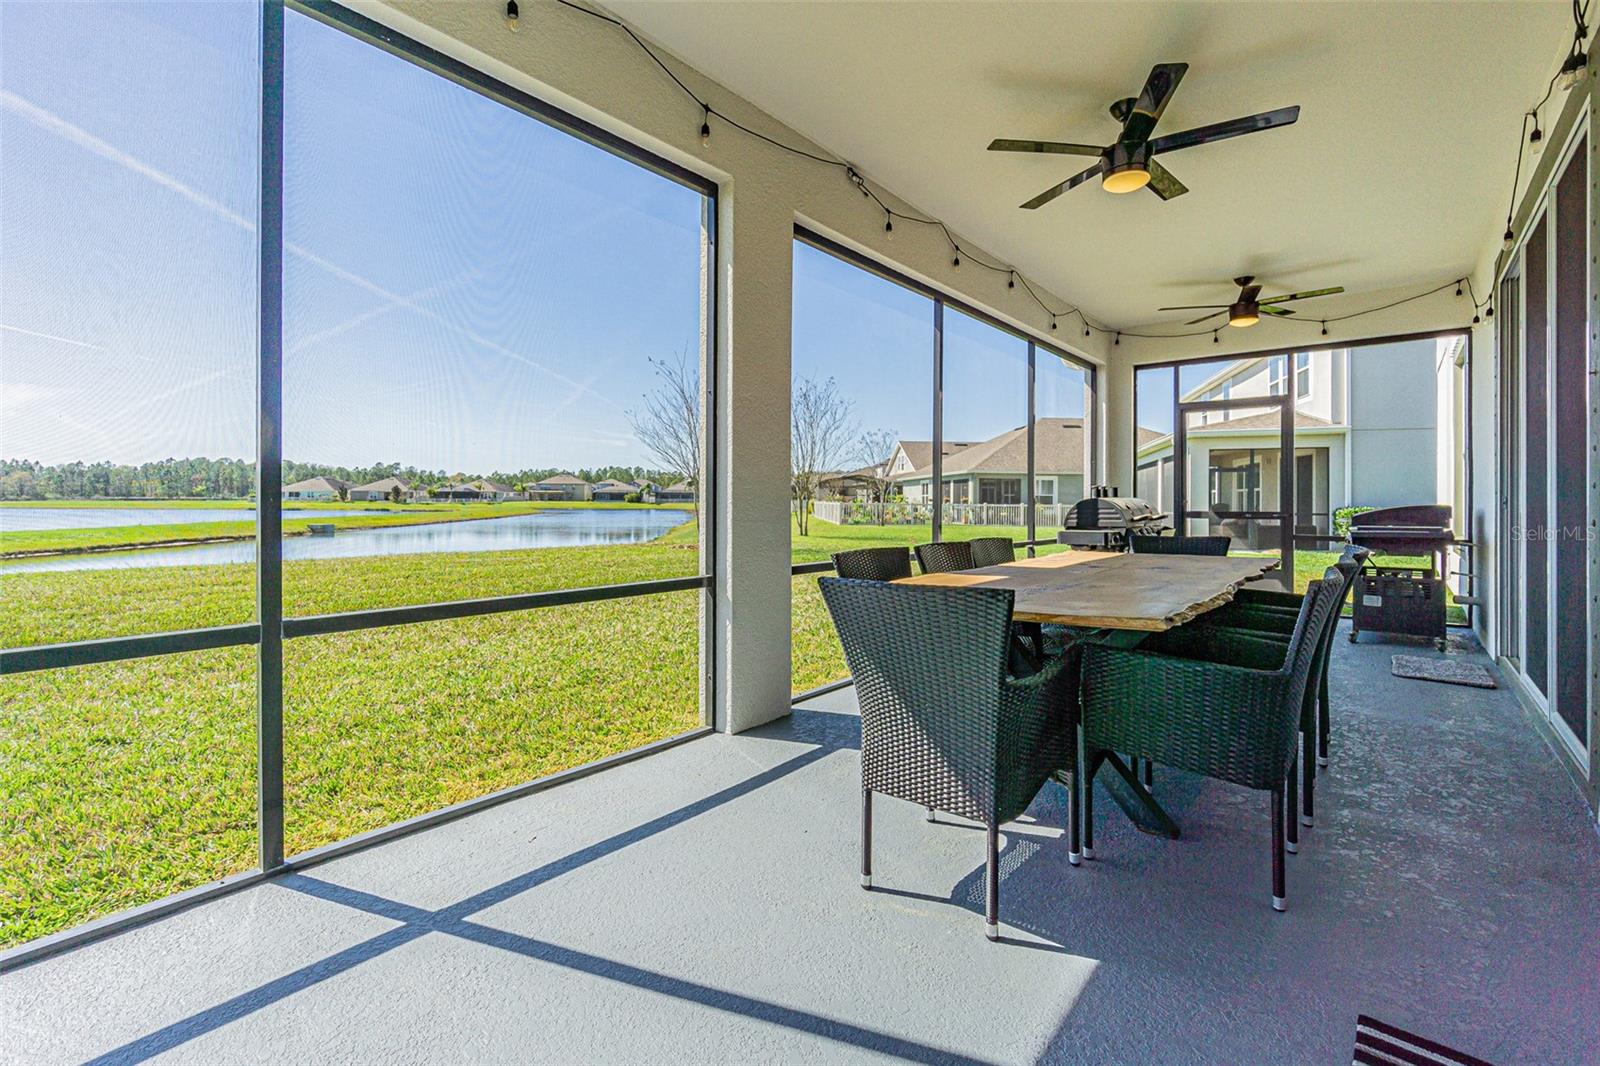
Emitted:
pixel 1249 307
pixel 1128 163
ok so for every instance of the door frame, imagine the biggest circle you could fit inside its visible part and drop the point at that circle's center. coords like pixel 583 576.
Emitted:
pixel 1284 515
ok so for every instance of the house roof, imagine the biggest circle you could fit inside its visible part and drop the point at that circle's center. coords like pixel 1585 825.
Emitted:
pixel 678 486
pixel 383 484
pixel 1058 449
pixel 920 452
pixel 563 479
pixel 318 484
pixel 1264 420
pixel 615 486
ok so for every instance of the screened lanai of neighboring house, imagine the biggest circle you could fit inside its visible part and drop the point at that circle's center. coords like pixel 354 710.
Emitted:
pixel 429 431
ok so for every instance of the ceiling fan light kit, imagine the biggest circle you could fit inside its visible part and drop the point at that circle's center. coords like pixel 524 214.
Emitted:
pixel 1128 164
pixel 1247 309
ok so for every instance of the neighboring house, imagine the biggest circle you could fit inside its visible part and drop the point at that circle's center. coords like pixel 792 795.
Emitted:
pixel 614 491
pixel 316 488
pixel 461 491
pixel 381 489
pixel 563 487
pixel 678 492
pixel 994 471
pixel 1369 427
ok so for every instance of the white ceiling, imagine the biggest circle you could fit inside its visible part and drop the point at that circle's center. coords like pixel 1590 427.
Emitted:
pixel 1397 173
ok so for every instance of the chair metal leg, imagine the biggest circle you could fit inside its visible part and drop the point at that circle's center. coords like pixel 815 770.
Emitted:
pixel 1280 895
pixel 1085 796
pixel 866 838
pixel 991 909
pixel 1308 776
pixel 1074 827
pixel 1322 719
pixel 1291 787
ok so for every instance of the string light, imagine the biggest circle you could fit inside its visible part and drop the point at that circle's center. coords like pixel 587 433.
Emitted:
pixel 1536 138
pixel 1488 312
pixel 1013 276
pixel 1324 329
pixel 512 14
pixel 1214 339
pixel 1476 320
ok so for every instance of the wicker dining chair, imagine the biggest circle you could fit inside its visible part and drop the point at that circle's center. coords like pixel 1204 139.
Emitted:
pixel 1141 544
pixel 944 556
pixel 873 564
pixel 942 723
pixel 1269 611
pixel 1209 700
pixel 992 551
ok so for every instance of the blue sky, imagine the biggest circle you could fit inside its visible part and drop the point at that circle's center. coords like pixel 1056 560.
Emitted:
pixel 875 339
pixel 466 288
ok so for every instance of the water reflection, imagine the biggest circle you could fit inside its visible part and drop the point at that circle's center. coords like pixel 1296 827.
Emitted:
pixel 544 529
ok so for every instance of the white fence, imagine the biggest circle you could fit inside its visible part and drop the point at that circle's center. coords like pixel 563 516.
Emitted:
pixel 900 513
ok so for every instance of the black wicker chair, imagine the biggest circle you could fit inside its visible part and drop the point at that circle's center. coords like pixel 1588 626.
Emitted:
pixel 992 551
pixel 873 564
pixel 942 724
pixel 944 556
pixel 1209 700
pixel 1148 545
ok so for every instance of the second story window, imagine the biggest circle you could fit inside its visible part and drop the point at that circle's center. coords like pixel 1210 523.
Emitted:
pixel 1302 375
pixel 1277 373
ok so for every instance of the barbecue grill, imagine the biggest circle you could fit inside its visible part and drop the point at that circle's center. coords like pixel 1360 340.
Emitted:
pixel 1104 522
pixel 1407 600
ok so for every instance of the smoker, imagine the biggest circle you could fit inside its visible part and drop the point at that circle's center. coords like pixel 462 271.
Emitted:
pixel 1103 521
pixel 1407 600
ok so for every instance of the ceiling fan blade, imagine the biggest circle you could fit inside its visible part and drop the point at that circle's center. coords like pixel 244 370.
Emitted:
pixel 1056 190
pixel 1305 295
pixel 1282 312
pixel 1205 318
pixel 1219 131
pixel 1163 184
pixel 1152 101
pixel 1194 307
pixel 1248 294
pixel 1002 144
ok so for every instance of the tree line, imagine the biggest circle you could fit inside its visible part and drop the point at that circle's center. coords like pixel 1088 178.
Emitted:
pixel 234 479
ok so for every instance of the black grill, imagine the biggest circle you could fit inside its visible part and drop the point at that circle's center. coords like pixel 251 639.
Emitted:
pixel 1104 522
pixel 1408 600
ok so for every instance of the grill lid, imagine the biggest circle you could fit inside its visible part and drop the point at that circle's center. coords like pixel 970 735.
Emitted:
pixel 1111 512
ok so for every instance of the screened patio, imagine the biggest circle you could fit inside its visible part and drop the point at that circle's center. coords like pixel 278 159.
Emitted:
pixel 422 762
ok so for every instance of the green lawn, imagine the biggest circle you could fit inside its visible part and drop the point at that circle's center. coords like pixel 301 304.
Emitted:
pixel 128 781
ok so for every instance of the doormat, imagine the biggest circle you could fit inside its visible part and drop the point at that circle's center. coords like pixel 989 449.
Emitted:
pixel 1447 671
pixel 1381 1044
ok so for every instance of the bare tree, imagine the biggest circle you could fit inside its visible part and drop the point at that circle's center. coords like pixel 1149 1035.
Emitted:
pixel 669 423
pixel 874 449
pixel 821 425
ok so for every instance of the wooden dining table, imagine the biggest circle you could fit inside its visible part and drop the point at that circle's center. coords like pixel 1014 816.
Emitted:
pixel 1119 599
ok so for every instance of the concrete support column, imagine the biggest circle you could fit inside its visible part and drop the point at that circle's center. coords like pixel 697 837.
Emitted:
pixel 755 249
pixel 1116 398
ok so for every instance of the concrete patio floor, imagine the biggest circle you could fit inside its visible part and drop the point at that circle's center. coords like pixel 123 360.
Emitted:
pixel 701 905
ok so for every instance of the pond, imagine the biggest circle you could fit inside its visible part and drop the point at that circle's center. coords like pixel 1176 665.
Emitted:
pixel 544 529
pixel 19 519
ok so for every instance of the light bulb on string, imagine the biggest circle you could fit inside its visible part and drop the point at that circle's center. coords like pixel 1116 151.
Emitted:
pixel 512 15
pixel 705 129
pixel 1324 329
pixel 1011 283
pixel 888 226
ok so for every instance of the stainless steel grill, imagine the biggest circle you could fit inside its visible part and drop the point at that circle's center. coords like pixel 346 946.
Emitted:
pixel 1104 522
